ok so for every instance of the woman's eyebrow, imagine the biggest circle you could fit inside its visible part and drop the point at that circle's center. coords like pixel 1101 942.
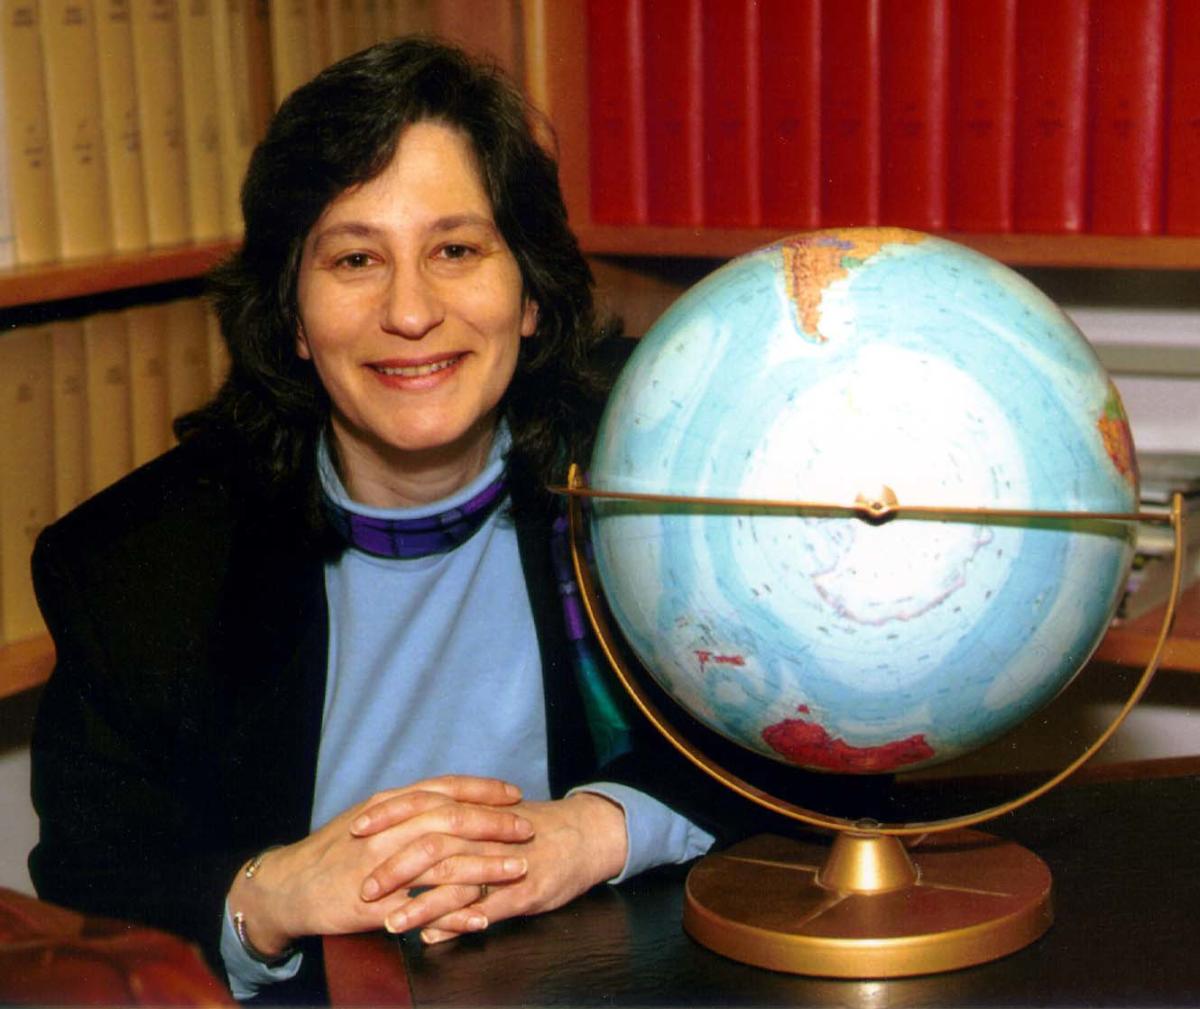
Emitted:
pixel 363 229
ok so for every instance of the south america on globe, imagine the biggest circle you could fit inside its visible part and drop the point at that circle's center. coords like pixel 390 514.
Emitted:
pixel 856 365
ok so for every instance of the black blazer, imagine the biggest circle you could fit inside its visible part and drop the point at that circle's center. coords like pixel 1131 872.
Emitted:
pixel 178 733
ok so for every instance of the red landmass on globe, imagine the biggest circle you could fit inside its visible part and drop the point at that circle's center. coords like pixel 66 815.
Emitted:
pixel 809 745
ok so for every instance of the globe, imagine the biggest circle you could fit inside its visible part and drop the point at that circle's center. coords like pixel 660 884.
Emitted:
pixel 875 365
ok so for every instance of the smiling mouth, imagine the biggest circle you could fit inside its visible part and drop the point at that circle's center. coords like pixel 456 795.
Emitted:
pixel 416 370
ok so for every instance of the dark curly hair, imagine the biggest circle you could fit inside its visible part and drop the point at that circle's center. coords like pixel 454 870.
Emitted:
pixel 340 130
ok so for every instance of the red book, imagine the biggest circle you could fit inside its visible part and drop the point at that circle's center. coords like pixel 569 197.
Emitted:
pixel 671 51
pixel 730 102
pixel 914 42
pixel 616 112
pixel 1127 54
pixel 850 156
pixel 983 74
pixel 1051 143
pixel 789 53
pixel 1183 123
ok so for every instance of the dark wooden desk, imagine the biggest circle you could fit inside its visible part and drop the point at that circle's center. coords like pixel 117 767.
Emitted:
pixel 1126 862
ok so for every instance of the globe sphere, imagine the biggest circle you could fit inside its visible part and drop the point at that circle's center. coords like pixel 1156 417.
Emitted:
pixel 863 364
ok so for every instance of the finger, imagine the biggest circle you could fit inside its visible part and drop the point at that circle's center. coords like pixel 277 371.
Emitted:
pixel 384 809
pixel 436 903
pixel 454 924
pixel 439 857
pixel 430 863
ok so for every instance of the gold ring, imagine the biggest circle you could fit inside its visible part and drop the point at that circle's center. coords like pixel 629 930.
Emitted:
pixel 484 890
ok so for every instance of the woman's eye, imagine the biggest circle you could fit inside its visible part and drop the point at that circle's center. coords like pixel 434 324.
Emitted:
pixel 354 260
pixel 455 251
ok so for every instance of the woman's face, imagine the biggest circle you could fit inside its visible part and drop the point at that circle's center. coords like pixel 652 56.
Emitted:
pixel 412 312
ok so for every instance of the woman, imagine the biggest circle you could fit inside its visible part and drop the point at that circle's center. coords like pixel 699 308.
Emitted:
pixel 312 673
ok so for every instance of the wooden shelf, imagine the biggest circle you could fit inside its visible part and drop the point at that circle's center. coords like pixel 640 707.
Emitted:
pixel 25 664
pixel 1156 252
pixel 32 285
pixel 1131 644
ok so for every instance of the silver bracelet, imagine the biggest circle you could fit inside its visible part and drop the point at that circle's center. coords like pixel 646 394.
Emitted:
pixel 239 921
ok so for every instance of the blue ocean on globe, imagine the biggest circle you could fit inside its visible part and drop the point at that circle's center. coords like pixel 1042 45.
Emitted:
pixel 849 365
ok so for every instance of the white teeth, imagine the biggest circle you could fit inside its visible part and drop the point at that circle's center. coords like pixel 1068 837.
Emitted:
pixel 417 370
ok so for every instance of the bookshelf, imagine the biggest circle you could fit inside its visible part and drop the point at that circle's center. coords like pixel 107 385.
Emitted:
pixel 39 285
pixel 545 42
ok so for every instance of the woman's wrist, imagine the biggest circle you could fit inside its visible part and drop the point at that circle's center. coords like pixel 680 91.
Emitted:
pixel 261 937
pixel 604 820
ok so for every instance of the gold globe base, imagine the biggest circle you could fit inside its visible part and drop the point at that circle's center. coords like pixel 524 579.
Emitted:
pixel 870 906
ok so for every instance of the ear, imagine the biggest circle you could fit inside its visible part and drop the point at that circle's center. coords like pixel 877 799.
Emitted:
pixel 302 349
pixel 529 317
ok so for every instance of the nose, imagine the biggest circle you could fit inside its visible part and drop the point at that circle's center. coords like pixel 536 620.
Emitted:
pixel 411 305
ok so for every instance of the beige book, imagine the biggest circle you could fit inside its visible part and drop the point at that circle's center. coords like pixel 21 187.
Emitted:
pixel 68 372
pixel 160 111
pixel 72 66
pixel 27 121
pixel 186 355
pixel 121 127
pixel 407 17
pixel 26 472
pixel 339 26
pixel 289 46
pixel 8 244
pixel 234 120
pixel 320 46
pixel 109 435
pixel 218 353
pixel 202 137
pixel 149 409
pixel 362 25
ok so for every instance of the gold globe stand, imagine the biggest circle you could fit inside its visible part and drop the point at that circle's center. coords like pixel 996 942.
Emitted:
pixel 884 900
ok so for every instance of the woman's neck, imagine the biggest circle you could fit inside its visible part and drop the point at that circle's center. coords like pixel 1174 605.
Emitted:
pixel 382 477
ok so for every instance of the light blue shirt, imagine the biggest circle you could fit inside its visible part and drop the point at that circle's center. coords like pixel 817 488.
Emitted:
pixel 433 669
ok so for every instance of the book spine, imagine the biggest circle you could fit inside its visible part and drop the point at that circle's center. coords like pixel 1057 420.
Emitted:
pixel 202 132
pixel 671 54
pixel 789 99
pixel 122 131
pixel 149 410
pixel 489 30
pixel 339 27
pixel 616 113
pixel 409 16
pixel 26 472
pixel 160 109
pixel 232 110
pixel 914 42
pixel 1051 142
pixel 35 217
pixel 72 71
pixel 1128 70
pixel 8 240
pixel 982 74
pixel 259 75
pixel 730 100
pixel 186 354
pixel 1182 196
pixel 850 111
pixel 69 414
pixel 109 440
pixel 320 46
pixel 289 46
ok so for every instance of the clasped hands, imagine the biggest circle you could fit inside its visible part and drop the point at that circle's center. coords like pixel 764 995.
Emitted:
pixel 446 855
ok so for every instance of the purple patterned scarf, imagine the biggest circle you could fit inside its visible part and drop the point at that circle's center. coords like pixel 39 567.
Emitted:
pixel 420 537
